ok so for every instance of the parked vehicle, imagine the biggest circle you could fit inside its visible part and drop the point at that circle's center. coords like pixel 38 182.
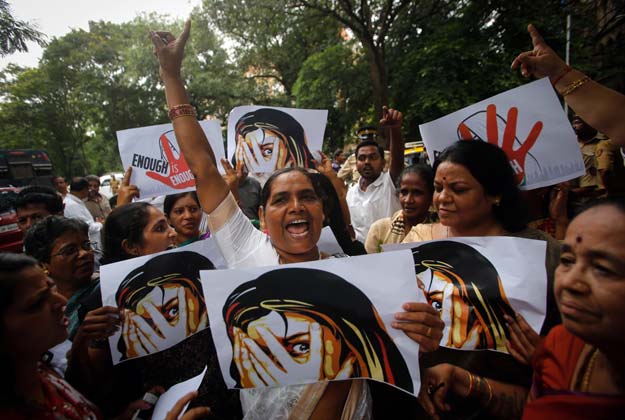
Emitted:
pixel 105 183
pixel 10 235
pixel 21 167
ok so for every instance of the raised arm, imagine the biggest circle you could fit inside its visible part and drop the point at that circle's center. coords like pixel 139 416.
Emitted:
pixel 392 120
pixel 599 106
pixel 211 188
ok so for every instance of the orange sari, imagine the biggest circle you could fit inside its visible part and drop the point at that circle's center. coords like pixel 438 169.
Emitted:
pixel 552 395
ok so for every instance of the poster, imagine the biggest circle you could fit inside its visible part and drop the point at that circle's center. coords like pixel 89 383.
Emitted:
pixel 158 166
pixel 264 138
pixel 527 122
pixel 160 297
pixel 308 322
pixel 473 282
pixel 169 398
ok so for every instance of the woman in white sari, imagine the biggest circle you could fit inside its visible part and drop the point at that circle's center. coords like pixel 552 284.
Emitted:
pixel 292 214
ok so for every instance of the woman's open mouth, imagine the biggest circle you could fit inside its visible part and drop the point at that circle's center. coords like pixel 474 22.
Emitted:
pixel 298 228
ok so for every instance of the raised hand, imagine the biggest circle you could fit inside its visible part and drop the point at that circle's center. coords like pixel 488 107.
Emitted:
pixel 391 118
pixel 231 176
pixel 180 175
pixel 516 157
pixel 436 383
pixel 325 166
pixel 541 61
pixel 170 50
pixel 422 323
pixel 127 191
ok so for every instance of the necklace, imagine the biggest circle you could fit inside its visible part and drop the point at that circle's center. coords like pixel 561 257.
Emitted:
pixel 588 371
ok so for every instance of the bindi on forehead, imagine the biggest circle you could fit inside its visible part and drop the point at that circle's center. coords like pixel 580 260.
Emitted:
pixel 579 239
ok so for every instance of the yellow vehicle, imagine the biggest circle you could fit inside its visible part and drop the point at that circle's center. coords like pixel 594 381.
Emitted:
pixel 414 152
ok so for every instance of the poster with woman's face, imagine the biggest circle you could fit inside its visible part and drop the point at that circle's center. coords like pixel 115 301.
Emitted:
pixel 316 321
pixel 474 282
pixel 160 298
pixel 264 139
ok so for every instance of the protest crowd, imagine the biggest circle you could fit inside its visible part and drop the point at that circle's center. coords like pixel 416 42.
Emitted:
pixel 57 323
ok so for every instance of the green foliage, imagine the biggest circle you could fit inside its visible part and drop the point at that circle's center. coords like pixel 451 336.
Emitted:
pixel 335 79
pixel 15 33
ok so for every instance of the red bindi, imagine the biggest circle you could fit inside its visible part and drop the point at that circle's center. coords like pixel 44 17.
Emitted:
pixel 579 239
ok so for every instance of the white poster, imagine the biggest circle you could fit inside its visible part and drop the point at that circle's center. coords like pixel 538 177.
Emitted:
pixel 168 399
pixel 473 282
pixel 527 122
pixel 267 138
pixel 315 321
pixel 160 297
pixel 158 166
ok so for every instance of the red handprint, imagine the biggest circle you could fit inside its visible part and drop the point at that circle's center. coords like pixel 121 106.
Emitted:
pixel 180 175
pixel 516 157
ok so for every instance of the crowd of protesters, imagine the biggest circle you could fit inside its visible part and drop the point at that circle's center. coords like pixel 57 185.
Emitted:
pixel 54 328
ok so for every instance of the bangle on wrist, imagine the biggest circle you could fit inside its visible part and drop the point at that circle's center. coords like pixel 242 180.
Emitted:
pixel 182 110
pixel 563 73
pixel 573 86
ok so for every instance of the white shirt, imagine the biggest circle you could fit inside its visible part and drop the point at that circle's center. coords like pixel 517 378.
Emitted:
pixel 378 201
pixel 76 209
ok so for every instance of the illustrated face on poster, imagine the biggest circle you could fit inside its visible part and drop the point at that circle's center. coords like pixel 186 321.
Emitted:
pixel 264 139
pixel 465 288
pixel 161 301
pixel 527 123
pixel 158 166
pixel 472 296
pixel 301 324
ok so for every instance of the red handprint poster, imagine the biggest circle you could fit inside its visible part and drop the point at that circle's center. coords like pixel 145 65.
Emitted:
pixel 527 122
pixel 158 165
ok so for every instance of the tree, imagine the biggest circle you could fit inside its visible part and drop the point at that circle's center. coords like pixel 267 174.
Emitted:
pixel 15 33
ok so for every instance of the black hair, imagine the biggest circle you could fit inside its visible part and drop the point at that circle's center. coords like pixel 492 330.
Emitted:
pixel 337 152
pixel 370 143
pixel 90 178
pixel 423 171
pixel 490 166
pixel 616 202
pixel 39 194
pixel 330 301
pixel 11 270
pixel 265 193
pixel 78 183
pixel 124 222
pixel 334 215
pixel 468 270
pixel 40 238
pixel 171 199
pixel 282 124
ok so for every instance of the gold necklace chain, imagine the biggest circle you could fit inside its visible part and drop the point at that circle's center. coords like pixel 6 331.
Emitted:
pixel 588 371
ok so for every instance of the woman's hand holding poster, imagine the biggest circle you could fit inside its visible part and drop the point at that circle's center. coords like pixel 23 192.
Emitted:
pixel 158 165
pixel 315 321
pixel 160 298
pixel 527 122
pixel 474 282
pixel 264 139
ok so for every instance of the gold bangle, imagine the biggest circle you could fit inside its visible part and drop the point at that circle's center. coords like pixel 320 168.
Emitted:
pixel 470 383
pixel 490 393
pixel 182 110
pixel 574 86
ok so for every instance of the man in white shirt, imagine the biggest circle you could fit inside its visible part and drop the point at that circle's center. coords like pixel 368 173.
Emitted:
pixel 75 207
pixel 373 196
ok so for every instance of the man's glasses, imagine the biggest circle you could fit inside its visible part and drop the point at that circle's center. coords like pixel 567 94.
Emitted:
pixel 73 249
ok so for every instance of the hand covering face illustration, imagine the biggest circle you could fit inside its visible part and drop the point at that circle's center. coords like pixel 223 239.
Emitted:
pixel 298 325
pixel 269 139
pixel 466 289
pixel 162 303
